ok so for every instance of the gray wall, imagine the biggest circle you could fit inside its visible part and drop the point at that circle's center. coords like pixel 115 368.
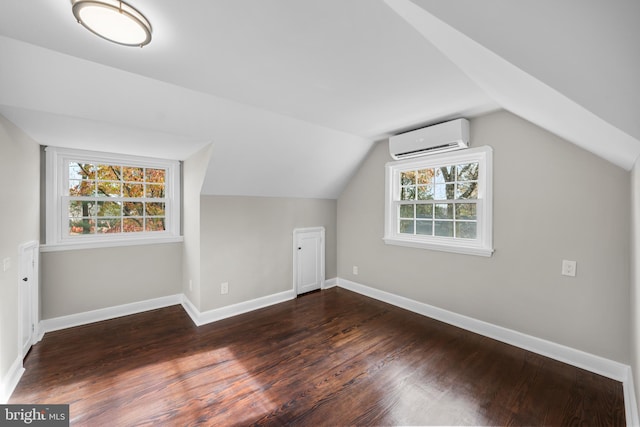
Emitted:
pixel 19 223
pixel 552 201
pixel 83 280
pixel 247 242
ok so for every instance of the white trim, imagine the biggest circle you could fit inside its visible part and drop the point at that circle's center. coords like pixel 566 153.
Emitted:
pixel 209 316
pixel 96 244
pixel 630 402
pixel 458 249
pixel 13 377
pixel 578 358
pixel 63 322
pixel 330 283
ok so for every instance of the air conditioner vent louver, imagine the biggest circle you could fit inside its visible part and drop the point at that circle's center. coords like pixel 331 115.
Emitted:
pixel 448 136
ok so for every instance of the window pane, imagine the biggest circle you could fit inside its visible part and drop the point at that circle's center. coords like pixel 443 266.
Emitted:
pixel 109 209
pixel 444 191
pixel 468 190
pixel 79 209
pixel 133 190
pixel 155 175
pixel 424 211
pixel 154 209
pixel 406 211
pixel 465 211
pixel 444 211
pixel 408 178
pixel 132 174
pixel 131 225
pixel 408 193
pixel 132 209
pixel 74 171
pixel 155 191
pixel 445 174
pixel 467 172
pixel 425 192
pixel 155 224
pixel 406 226
pixel 82 171
pixel 466 230
pixel 81 188
pixel 424 227
pixel 109 173
pixel 443 228
pixel 425 176
pixel 109 225
pixel 81 226
pixel 109 189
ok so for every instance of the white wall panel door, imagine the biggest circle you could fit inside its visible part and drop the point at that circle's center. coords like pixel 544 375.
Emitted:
pixel 308 259
pixel 28 295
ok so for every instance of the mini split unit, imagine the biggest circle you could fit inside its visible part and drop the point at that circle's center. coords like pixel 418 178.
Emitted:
pixel 447 136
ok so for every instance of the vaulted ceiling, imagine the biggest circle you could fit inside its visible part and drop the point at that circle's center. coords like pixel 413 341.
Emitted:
pixel 293 93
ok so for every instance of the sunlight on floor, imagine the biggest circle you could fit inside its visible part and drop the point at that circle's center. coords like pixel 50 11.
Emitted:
pixel 169 383
pixel 444 407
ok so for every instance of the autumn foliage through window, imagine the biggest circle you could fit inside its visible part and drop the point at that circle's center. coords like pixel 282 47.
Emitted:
pixel 108 198
pixel 441 202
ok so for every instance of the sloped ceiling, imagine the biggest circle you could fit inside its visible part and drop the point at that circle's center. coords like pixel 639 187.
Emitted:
pixel 292 94
pixel 592 122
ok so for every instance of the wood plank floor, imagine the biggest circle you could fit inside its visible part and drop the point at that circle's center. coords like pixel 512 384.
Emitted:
pixel 327 358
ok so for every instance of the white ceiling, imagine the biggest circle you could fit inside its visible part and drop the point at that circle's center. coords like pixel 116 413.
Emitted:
pixel 293 93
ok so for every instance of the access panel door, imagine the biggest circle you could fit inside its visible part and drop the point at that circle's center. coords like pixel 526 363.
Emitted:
pixel 308 259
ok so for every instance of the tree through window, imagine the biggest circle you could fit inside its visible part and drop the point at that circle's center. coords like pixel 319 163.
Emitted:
pixel 101 198
pixel 108 198
pixel 441 202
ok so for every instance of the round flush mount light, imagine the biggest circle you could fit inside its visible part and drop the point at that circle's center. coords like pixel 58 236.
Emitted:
pixel 113 20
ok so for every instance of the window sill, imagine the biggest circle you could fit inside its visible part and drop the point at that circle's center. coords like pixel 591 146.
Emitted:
pixel 458 249
pixel 95 244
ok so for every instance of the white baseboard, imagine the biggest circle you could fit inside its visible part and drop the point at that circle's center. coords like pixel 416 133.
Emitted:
pixel 63 322
pixel 234 309
pixel 8 384
pixel 590 362
pixel 581 359
pixel 330 283
pixel 578 358
pixel 630 406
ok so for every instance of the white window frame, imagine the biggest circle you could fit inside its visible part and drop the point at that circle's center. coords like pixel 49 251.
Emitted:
pixel 57 220
pixel 482 245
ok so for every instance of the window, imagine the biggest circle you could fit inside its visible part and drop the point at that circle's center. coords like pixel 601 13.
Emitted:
pixel 441 202
pixel 99 199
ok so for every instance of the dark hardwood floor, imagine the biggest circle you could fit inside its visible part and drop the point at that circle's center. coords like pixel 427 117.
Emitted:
pixel 327 358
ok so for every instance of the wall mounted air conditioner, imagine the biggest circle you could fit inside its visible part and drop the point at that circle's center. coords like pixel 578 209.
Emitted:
pixel 447 136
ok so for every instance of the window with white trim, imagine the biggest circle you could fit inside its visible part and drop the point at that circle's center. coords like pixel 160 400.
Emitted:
pixel 441 202
pixel 100 199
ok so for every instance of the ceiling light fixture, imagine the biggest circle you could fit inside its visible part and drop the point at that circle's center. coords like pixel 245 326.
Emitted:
pixel 113 20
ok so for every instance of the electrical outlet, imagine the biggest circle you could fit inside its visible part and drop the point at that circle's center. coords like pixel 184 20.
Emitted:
pixel 6 264
pixel 355 270
pixel 224 288
pixel 190 285
pixel 568 268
